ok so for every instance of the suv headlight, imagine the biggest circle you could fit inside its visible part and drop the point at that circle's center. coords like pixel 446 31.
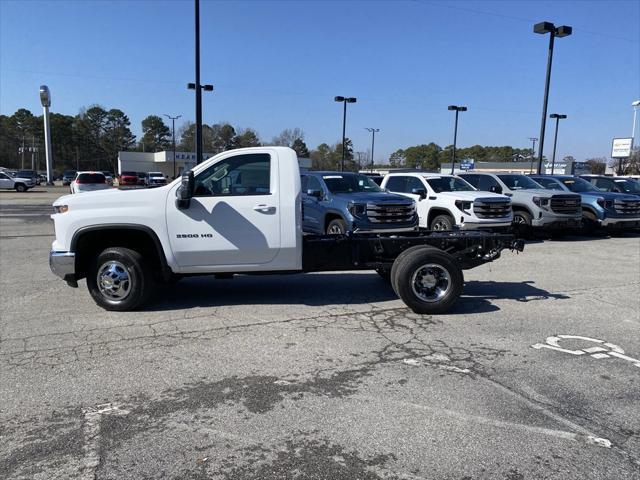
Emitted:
pixel 60 208
pixel 464 205
pixel 357 209
pixel 542 202
pixel 600 201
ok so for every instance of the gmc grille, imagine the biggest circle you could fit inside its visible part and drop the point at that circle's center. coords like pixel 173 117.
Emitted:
pixel 627 207
pixel 566 204
pixel 391 212
pixel 492 207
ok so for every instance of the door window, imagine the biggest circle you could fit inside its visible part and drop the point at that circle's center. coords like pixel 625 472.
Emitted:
pixel 239 175
pixel 472 179
pixel 313 184
pixel 397 184
pixel 3 176
pixel 604 184
pixel 413 182
pixel 548 183
pixel 486 182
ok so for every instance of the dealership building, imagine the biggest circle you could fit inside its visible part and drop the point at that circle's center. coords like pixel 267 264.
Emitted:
pixel 157 162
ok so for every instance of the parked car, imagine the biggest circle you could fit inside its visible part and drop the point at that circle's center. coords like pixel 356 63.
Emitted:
pixel 18 184
pixel 337 202
pixel 128 179
pixel 29 174
pixel 446 202
pixel 89 182
pixel 599 209
pixel 108 176
pixel 143 179
pixel 68 176
pixel 614 184
pixel 156 179
pixel 533 206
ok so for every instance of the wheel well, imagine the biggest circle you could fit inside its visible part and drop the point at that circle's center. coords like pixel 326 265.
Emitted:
pixel 88 244
pixel 329 217
pixel 434 212
pixel 522 209
pixel 589 213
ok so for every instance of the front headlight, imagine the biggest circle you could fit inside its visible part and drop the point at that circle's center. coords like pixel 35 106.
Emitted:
pixel 463 205
pixel 542 202
pixel 60 208
pixel 357 209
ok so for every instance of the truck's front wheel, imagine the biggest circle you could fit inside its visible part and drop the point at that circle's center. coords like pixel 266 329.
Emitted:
pixel 337 227
pixel 119 279
pixel 442 223
pixel 428 280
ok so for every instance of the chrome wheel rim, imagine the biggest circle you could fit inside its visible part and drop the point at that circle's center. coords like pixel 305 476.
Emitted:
pixel 440 226
pixel 519 220
pixel 335 230
pixel 431 282
pixel 113 281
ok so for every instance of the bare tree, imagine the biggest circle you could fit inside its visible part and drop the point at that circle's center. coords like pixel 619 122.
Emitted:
pixel 287 137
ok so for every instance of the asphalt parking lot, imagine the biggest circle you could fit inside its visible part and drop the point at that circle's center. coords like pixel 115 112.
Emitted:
pixel 323 376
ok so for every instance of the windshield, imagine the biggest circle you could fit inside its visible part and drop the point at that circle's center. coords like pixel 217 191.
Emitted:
pixel 449 184
pixel 629 186
pixel 69 173
pixel 578 185
pixel 90 178
pixel 156 174
pixel 350 183
pixel 519 182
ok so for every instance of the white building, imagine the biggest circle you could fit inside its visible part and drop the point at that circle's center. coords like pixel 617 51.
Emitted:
pixel 157 162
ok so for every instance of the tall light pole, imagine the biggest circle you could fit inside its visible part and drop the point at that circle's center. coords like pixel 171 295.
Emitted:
pixel 198 88
pixel 455 132
pixel 533 152
pixel 45 100
pixel 344 101
pixel 553 31
pixel 558 117
pixel 636 106
pixel 373 142
pixel 173 133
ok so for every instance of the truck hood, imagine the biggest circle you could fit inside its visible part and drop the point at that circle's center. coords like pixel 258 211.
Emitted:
pixel 112 198
pixel 609 195
pixel 538 192
pixel 471 195
pixel 372 197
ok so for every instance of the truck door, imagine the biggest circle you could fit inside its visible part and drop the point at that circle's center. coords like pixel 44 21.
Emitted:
pixel 234 216
pixel 313 211
pixel 5 181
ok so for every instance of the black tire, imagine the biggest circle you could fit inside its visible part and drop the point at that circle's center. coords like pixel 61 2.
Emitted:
pixel 336 226
pixel 20 187
pixel 442 223
pixel 118 263
pixel 398 260
pixel 522 223
pixel 589 223
pixel 434 266
pixel 385 274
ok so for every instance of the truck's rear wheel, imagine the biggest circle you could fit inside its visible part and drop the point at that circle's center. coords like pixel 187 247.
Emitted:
pixel 337 227
pixel 442 223
pixel 427 280
pixel 119 279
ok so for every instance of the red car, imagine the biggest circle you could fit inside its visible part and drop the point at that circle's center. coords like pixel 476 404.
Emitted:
pixel 128 178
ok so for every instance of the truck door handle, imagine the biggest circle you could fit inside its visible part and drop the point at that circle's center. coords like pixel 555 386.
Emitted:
pixel 262 208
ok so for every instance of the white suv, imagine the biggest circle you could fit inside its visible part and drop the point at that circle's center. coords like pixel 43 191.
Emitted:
pixel 447 201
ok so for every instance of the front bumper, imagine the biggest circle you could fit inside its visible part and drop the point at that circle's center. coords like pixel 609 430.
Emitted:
pixel 558 223
pixel 63 264
pixel 483 225
pixel 620 223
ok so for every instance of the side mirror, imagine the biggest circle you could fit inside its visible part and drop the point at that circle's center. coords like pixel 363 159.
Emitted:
pixel 185 190
pixel 315 193
pixel 495 189
pixel 420 191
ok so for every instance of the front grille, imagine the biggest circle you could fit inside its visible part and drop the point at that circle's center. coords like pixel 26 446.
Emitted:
pixel 566 204
pixel 492 207
pixel 391 212
pixel 627 207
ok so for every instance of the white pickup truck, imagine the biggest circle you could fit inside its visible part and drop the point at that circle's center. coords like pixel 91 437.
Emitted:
pixel 447 201
pixel 240 213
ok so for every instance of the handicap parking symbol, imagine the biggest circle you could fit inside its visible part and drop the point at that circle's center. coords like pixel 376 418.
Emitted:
pixel 600 351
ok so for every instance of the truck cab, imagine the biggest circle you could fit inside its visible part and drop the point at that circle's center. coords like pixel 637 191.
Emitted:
pixel 533 206
pixel 447 201
pixel 336 202
pixel 599 209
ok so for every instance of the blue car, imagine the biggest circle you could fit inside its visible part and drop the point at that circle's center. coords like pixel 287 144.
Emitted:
pixel 599 209
pixel 625 185
pixel 334 203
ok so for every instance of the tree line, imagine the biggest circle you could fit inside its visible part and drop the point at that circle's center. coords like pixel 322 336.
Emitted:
pixel 92 139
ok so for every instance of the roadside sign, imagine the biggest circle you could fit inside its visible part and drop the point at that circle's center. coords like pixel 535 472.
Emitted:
pixel 467 164
pixel 621 147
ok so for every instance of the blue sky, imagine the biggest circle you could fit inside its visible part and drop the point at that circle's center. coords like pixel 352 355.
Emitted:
pixel 278 65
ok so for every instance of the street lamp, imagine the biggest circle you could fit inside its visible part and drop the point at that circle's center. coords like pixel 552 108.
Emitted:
pixel 533 153
pixel 173 133
pixel 558 117
pixel 344 101
pixel 45 100
pixel 198 88
pixel 455 132
pixel 373 142
pixel 553 31
pixel 635 106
